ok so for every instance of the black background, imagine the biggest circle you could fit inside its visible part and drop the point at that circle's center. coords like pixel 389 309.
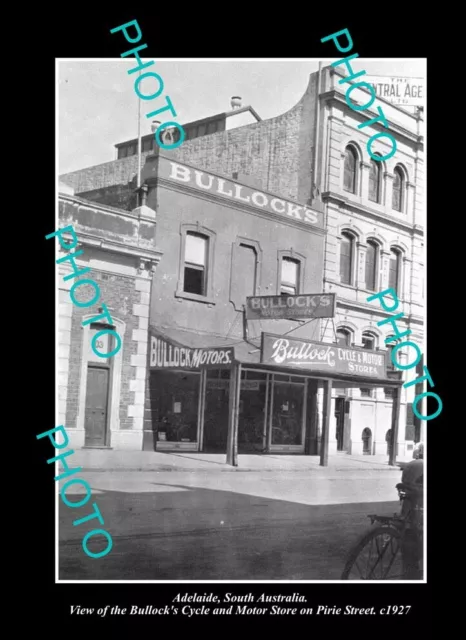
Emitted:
pixel 228 30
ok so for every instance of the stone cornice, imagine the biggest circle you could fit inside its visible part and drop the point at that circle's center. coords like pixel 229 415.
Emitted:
pixel 357 207
pixel 90 204
pixel 402 132
pixel 148 255
pixel 374 310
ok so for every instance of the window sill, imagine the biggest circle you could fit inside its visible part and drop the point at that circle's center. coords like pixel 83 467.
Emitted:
pixel 194 297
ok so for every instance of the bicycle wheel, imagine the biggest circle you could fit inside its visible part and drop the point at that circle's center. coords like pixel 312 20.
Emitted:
pixel 376 556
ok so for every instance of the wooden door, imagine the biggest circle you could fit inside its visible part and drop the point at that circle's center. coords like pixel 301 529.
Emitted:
pixel 95 424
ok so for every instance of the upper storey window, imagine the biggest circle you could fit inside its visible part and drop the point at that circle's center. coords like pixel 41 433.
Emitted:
pixel 375 181
pixel 195 263
pixel 350 170
pixel 399 188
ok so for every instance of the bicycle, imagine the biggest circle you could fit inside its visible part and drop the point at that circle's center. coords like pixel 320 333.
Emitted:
pixel 401 546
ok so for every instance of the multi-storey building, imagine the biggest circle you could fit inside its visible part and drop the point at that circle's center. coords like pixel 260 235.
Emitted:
pixel 289 205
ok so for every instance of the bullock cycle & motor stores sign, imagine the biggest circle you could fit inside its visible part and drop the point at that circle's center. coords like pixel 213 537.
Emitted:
pixel 322 357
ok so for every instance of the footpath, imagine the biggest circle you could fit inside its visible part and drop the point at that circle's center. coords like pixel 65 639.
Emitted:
pixel 108 460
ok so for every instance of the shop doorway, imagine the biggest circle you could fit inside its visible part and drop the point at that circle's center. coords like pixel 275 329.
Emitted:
pixel 252 412
pixel 341 417
pixel 95 420
pixel 217 395
pixel 288 414
pixel 367 441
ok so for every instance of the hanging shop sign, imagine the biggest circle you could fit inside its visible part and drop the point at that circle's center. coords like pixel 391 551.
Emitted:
pixel 322 357
pixel 167 355
pixel 310 305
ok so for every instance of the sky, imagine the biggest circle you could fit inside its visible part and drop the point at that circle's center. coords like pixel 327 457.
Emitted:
pixel 98 107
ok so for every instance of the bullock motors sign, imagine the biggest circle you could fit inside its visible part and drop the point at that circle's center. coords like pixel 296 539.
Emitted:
pixel 322 357
pixel 311 305
pixel 167 355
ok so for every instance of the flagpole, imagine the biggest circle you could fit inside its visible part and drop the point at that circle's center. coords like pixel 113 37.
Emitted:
pixel 139 140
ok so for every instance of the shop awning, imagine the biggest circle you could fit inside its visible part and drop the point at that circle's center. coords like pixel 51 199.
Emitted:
pixel 173 347
pixel 195 347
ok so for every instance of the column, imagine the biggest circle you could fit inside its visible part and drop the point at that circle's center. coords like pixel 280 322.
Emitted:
pixel 394 427
pixel 417 275
pixel 65 312
pixel 140 383
pixel 364 184
pixel 233 410
pixel 320 413
pixel 139 336
pixel 409 205
pixel 388 191
pixel 405 283
pixel 361 268
pixel 332 422
pixel 384 258
pixel 325 423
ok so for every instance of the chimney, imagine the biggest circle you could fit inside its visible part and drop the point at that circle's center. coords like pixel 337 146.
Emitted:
pixel 155 124
pixel 236 102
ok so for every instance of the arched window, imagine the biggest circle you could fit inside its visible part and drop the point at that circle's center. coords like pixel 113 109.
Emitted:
pixel 369 341
pixel 394 270
pixel 343 337
pixel 350 170
pixel 375 180
pixel 346 258
pixel 372 265
pixel 366 437
pixel 398 189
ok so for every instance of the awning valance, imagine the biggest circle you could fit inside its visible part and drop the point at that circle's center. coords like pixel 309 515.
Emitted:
pixel 175 348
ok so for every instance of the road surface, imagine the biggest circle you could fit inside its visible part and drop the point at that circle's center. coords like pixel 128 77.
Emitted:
pixel 218 526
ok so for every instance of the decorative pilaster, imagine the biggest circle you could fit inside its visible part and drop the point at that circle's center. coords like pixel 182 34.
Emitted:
pixel 364 183
pixel 361 270
pixel 408 209
pixel 384 259
pixel 388 192
pixel 404 294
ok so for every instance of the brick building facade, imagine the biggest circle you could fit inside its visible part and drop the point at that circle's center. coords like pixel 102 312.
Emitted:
pixel 101 400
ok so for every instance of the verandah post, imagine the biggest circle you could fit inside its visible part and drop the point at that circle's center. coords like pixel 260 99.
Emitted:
pixel 325 423
pixel 233 410
pixel 394 429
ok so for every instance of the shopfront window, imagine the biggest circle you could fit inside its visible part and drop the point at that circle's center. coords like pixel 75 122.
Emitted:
pixel 287 410
pixel 175 402
pixel 252 404
pixel 217 396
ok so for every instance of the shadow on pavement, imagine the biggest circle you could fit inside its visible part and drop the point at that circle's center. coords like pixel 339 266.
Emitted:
pixel 205 534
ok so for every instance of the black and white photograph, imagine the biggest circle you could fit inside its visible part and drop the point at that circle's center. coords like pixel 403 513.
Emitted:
pixel 241 324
